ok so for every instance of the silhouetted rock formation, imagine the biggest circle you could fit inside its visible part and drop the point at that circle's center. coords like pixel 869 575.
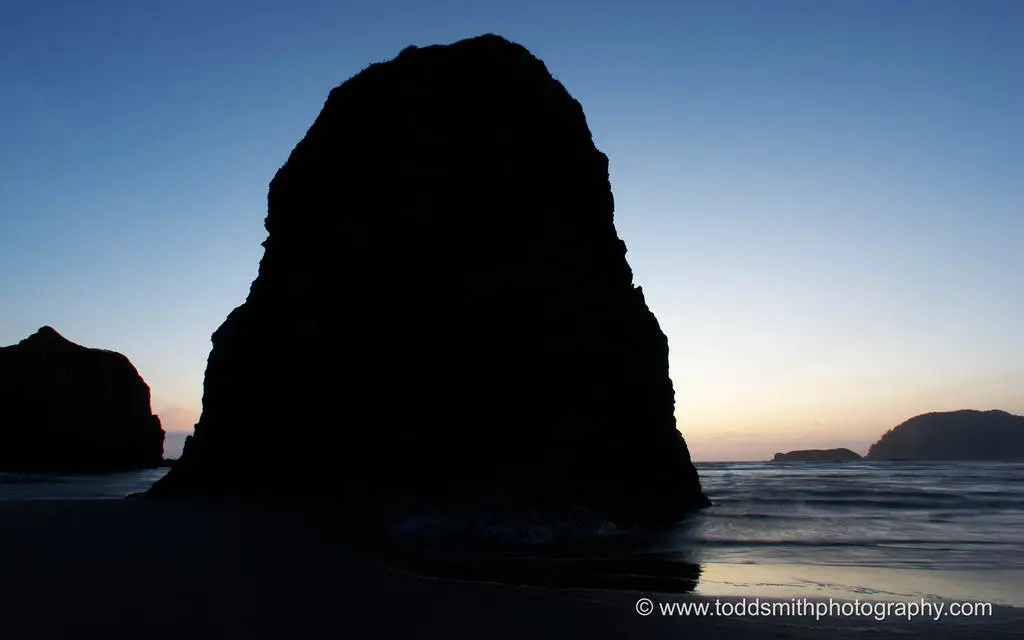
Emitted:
pixel 817 455
pixel 954 435
pixel 444 311
pixel 68 408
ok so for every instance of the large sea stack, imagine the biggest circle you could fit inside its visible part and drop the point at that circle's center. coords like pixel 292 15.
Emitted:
pixel 444 311
pixel 68 408
pixel 954 435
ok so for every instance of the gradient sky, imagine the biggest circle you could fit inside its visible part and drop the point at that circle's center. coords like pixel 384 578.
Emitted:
pixel 823 201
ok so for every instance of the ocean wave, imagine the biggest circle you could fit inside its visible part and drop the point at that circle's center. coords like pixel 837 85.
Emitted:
pixel 499 528
pixel 931 544
pixel 876 503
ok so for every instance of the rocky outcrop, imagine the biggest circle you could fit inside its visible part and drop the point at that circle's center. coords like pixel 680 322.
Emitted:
pixel 69 408
pixel 817 455
pixel 954 435
pixel 444 311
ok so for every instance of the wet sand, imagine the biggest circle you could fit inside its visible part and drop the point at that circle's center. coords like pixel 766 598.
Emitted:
pixel 149 569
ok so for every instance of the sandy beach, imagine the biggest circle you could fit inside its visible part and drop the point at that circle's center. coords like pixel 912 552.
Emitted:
pixel 145 568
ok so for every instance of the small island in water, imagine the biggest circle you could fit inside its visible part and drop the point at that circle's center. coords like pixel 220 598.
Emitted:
pixel 817 455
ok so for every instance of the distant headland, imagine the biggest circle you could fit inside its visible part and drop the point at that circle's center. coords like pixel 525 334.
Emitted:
pixel 964 435
pixel 954 435
pixel 817 455
pixel 66 408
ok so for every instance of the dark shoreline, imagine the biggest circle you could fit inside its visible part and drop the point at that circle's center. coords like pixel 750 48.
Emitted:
pixel 147 568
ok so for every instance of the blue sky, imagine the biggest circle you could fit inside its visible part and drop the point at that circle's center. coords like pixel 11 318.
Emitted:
pixel 824 201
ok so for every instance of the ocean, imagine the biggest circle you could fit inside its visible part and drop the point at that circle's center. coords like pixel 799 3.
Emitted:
pixel 49 486
pixel 870 530
pixel 878 530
